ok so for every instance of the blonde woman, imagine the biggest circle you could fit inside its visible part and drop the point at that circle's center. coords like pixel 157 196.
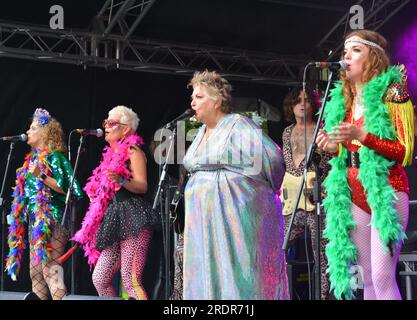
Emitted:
pixel 39 199
pixel 233 220
pixel 117 228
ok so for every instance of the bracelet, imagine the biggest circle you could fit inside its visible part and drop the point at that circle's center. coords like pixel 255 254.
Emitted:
pixel 43 176
pixel 122 181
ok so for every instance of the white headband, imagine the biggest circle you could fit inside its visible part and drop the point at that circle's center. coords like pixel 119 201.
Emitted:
pixel 360 40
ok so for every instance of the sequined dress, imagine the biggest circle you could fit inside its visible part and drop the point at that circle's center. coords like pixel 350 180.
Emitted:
pixel 233 219
pixel 390 149
pixel 37 207
pixel 62 173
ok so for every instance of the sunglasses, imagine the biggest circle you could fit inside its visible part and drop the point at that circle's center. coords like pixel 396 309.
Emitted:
pixel 112 123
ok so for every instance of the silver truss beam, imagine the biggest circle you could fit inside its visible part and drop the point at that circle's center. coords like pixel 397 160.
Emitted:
pixel 126 14
pixel 335 35
pixel 377 13
pixel 114 52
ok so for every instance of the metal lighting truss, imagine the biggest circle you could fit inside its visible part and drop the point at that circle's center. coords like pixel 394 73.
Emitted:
pixel 376 14
pixel 116 52
pixel 122 17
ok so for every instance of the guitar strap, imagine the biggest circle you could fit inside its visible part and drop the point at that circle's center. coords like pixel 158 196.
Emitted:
pixel 177 214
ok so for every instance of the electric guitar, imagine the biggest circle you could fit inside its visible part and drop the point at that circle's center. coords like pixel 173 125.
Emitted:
pixel 289 192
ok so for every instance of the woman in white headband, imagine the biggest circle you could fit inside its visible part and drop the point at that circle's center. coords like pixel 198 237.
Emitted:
pixel 369 127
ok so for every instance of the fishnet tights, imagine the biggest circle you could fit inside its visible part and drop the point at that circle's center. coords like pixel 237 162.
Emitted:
pixel 48 278
pixel 378 274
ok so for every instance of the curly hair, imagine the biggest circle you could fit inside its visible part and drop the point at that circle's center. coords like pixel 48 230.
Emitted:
pixel 217 86
pixel 53 135
pixel 376 63
pixel 292 98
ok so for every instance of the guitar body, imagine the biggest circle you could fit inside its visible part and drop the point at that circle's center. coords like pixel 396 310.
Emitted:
pixel 289 192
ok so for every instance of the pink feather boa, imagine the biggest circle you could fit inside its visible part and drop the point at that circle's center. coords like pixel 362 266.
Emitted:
pixel 101 190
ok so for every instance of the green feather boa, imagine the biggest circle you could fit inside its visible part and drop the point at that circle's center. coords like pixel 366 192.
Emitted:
pixel 341 251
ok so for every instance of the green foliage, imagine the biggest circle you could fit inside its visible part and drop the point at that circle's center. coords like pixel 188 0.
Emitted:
pixel 262 122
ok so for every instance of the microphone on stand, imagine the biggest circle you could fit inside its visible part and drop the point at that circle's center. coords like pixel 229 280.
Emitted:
pixel 186 115
pixel 336 65
pixel 20 137
pixel 90 132
pixel 84 132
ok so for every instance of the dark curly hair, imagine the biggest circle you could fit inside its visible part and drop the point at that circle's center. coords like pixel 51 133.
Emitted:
pixel 293 97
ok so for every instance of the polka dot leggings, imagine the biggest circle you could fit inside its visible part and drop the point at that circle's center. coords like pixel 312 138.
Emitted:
pixel 128 256
pixel 377 269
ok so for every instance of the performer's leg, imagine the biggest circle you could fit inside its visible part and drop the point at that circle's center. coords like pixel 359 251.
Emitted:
pixel 134 252
pixel 324 280
pixel 107 266
pixel 39 286
pixel 383 264
pixel 53 271
pixel 361 237
pixel 178 273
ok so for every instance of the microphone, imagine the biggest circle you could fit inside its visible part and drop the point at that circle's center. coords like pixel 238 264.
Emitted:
pixel 87 132
pixel 187 114
pixel 20 137
pixel 331 65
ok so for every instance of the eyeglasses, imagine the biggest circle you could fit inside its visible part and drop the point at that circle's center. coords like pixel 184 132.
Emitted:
pixel 112 123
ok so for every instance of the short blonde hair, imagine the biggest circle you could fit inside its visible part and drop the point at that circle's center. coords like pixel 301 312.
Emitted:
pixel 217 86
pixel 128 116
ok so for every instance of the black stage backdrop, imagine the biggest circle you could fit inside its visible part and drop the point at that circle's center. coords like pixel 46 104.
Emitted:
pixel 81 98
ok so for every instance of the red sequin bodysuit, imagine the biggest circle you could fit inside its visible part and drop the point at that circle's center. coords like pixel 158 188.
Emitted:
pixel 392 150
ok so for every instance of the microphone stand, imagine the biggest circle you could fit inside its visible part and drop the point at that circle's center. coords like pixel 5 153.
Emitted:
pixel 70 205
pixel 3 217
pixel 308 158
pixel 317 202
pixel 163 188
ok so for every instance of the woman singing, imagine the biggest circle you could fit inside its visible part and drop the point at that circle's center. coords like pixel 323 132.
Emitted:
pixel 233 221
pixel 117 228
pixel 39 202
pixel 369 128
